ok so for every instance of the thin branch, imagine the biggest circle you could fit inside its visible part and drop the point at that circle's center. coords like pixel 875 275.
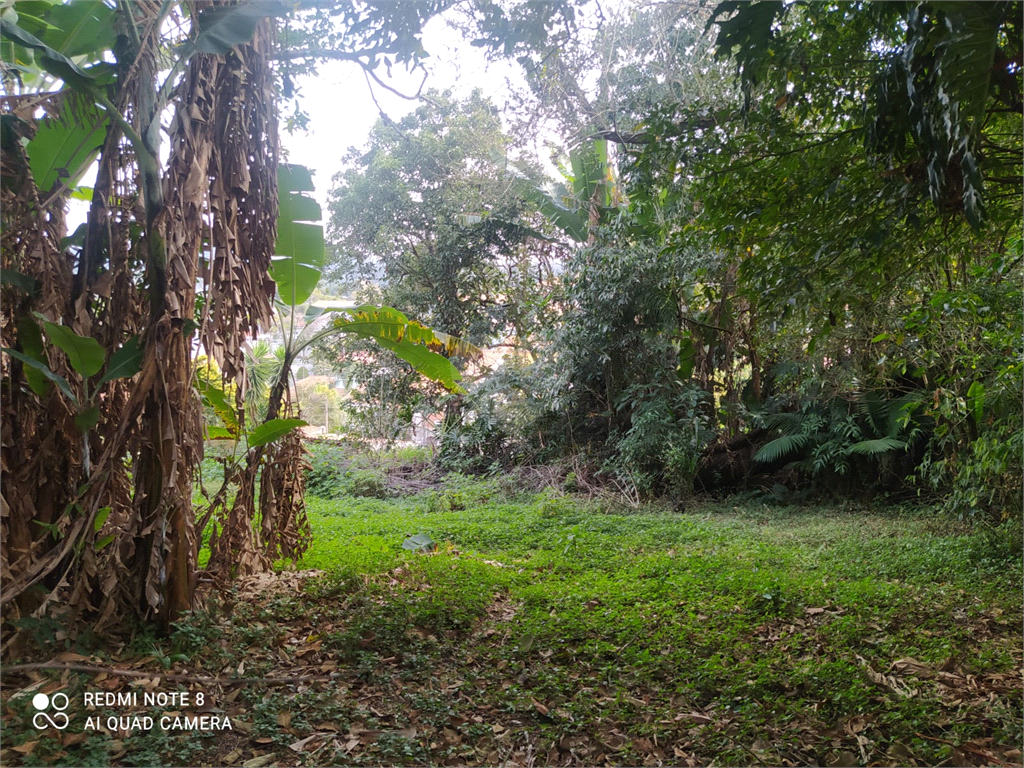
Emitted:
pixel 620 138
pixel 416 96
pixel 690 320
pixel 770 155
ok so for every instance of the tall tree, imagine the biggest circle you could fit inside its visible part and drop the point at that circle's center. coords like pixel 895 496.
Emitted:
pixel 431 210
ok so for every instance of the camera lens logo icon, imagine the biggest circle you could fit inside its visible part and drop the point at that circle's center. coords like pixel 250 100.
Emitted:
pixel 43 719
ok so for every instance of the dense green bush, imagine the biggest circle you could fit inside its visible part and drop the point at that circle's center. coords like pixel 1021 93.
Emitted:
pixel 851 442
pixel 668 430
pixel 508 418
pixel 326 474
pixel 609 383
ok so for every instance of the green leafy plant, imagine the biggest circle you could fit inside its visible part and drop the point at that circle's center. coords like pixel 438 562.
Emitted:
pixel 669 428
pixel 86 357
pixel 421 542
pixel 830 438
pixel 587 190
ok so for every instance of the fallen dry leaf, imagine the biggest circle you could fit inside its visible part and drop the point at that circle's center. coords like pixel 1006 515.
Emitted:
pixel 696 717
pixel 70 739
pixel 844 760
pixel 26 748
pixel 300 745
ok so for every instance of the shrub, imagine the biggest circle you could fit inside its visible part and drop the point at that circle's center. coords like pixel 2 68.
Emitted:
pixel 859 438
pixel 326 475
pixel 367 483
pixel 668 431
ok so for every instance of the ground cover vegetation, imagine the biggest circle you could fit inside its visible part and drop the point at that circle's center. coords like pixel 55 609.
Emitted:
pixel 471 621
pixel 723 395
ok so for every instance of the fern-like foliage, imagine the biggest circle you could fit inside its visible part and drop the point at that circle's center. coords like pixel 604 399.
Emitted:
pixel 822 437
pixel 877 447
pixel 781 447
pixel 788 423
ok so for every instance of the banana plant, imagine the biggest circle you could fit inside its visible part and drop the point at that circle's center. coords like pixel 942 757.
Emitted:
pixel 576 203
pixel 85 356
pixel 296 269
pixel 45 43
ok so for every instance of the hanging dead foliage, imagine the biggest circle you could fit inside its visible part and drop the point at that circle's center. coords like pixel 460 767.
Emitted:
pixel 284 526
pixel 243 203
pixel 116 538
pixel 243 543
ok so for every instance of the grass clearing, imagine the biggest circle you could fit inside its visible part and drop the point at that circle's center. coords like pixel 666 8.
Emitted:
pixel 546 629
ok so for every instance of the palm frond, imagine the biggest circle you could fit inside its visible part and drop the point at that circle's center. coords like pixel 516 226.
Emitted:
pixel 787 423
pixel 901 409
pixel 877 447
pixel 781 447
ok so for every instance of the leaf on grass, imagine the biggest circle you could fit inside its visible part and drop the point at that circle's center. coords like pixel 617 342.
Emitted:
pixel 844 759
pixel 302 744
pixel 696 717
pixel 421 542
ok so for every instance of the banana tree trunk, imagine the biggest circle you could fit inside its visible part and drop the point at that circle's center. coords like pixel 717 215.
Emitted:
pixel 170 444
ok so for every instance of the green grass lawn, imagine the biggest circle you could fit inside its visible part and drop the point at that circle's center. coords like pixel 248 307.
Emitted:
pixel 731 634
pixel 549 630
